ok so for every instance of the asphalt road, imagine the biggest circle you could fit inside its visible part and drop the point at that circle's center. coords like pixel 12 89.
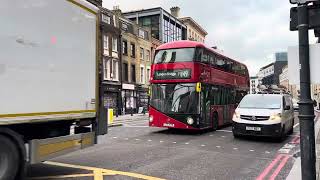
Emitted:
pixel 135 151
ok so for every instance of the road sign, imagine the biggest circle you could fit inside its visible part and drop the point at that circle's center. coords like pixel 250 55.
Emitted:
pixel 314 16
pixel 294 65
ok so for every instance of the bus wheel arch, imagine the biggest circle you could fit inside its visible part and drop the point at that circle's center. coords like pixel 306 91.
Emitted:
pixel 215 121
pixel 16 144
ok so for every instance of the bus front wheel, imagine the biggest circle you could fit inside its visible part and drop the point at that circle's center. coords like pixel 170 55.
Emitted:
pixel 9 159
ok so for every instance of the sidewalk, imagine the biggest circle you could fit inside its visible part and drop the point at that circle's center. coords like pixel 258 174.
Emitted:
pixel 118 121
pixel 295 173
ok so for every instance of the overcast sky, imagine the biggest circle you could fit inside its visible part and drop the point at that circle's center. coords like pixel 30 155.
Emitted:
pixel 250 31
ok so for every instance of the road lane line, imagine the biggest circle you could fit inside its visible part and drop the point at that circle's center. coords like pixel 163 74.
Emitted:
pixel 98 175
pixel 61 176
pixel 269 168
pixel 296 125
pixel 280 167
pixel 221 130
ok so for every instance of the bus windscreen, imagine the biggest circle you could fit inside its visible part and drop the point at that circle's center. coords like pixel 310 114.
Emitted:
pixel 175 98
pixel 174 55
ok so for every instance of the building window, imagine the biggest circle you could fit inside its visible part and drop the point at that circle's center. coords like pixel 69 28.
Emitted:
pixel 106 45
pixel 107 68
pixel 125 48
pixel 141 34
pixel 141 53
pixel 148 75
pixel 115 44
pixel 115 70
pixel 125 72
pixel 142 75
pixel 133 50
pixel 111 69
pixel 133 73
pixel 148 55
pixel 106 19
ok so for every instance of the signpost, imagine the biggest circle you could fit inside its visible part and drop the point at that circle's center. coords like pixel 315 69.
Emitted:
pixel 304 17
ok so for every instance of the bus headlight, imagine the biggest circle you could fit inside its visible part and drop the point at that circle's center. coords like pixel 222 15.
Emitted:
pixel 275 117
pixel 151 118
pixel 190 121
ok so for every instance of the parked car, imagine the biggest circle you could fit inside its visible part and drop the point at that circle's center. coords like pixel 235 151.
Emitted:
pixel 264 115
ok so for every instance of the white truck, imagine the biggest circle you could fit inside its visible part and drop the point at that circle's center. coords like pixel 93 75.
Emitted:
pixel 50 81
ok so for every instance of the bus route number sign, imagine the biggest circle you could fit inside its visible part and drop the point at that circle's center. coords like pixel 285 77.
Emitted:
pixel 172 74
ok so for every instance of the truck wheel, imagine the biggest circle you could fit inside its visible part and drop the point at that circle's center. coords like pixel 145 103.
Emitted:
pixel 9 159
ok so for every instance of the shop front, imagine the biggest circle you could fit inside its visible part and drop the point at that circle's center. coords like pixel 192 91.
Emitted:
pixel 129 98
pixel 143 99
pixel 112 98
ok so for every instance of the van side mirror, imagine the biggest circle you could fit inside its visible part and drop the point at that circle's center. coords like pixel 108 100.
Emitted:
pixel 287 108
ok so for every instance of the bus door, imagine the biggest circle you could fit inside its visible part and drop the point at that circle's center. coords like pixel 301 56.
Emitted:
pixel 206 108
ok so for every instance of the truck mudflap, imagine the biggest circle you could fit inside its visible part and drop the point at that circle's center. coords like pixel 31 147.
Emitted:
pixel 43 149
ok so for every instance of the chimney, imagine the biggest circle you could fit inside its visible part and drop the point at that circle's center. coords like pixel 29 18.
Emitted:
pixel 175 11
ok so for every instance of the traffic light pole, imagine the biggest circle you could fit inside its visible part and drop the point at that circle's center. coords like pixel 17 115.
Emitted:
pixel 306 111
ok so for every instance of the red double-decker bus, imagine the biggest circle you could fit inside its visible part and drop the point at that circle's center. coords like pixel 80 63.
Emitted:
pixel 194 87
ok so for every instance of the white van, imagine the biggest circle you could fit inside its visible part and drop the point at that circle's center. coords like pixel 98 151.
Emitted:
pixel 264 115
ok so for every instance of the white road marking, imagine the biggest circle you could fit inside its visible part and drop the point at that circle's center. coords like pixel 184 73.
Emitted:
pixel 186 143
pixel 126 138
pixel 267 152
pixel 132 126
pixel 161 141
pixel 251 150
pixel 223 136
pixel 115 137
pixel 211 135
pixel 218 146
pixel 221 130
pixel 149 140
pixel 296 125
pixel 235 148
pixel 137 139
pixel 203 145
pixel 174 142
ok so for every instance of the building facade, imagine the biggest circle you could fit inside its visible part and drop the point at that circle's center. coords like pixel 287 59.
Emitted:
pixel 164 26
pixel 111 36
pixel 270 73
pixel 281 56
pixel 284 79
pixel 194 31
pixel 136 47
pixel 254 84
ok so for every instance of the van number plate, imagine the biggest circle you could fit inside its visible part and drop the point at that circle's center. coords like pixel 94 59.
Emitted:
pixel 248 128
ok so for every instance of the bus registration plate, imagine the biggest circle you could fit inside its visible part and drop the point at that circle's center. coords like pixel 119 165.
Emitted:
pixel 248 128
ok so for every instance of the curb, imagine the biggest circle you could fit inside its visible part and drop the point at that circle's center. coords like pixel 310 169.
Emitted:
pixel 295 172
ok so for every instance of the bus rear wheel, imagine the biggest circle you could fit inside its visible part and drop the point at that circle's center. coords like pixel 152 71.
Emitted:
pixel 215 123
pixel 9 159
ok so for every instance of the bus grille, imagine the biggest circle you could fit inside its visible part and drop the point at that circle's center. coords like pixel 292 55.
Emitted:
pixel 255 118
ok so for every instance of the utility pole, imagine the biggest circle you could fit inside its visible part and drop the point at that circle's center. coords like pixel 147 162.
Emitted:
pixel 301 21
pixel 306 111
